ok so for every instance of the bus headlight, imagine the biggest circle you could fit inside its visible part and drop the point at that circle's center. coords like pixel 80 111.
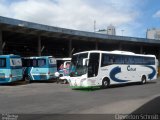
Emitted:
pixel 56 74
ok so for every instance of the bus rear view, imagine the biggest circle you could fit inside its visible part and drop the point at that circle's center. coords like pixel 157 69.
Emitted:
pixel 10 68
pixel 39 68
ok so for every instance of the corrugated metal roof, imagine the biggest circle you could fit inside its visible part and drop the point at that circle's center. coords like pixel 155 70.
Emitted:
pixel 34 28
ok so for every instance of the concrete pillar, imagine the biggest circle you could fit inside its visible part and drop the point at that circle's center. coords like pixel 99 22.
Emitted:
pixel 96 47
pixel 1 42
pixel 70 48
pixel 39 46
pixel 120 46
pixel 141 49
pixel 159 57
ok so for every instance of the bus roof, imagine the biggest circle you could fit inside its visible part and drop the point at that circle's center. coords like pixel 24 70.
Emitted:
pixel 8 56
pixel 66 59
pixel 38 57
pixel 118 52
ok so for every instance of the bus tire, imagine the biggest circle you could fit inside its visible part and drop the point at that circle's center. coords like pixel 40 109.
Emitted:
pixel 65 81
pixel 27 79
pixel 105 83
pixel 143 79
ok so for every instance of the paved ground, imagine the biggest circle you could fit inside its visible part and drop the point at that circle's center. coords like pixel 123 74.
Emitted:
pixel 41 98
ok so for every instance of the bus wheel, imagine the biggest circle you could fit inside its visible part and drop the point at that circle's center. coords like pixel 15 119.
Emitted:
pixel 27 79
pixel 143 79
pixel 105 83
pixel 65 81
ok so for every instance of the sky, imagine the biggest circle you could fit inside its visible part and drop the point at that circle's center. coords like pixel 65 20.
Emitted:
pixel 130 17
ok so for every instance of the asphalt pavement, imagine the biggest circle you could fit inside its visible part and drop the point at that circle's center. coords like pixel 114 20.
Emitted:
pixel 53 98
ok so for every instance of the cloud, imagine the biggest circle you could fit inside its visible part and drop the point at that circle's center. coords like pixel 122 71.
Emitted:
pixel 157 14
pixel 4 10
pixel 73 14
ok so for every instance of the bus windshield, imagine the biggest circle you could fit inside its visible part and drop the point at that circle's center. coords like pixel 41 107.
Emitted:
pixel 15 62
pixel 77 68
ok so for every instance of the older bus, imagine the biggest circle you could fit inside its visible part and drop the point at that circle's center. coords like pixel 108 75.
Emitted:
pixel 39 68
pixel 10 68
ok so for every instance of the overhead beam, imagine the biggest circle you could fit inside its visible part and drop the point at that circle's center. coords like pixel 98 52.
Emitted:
pixel 141 49
pixel 96 46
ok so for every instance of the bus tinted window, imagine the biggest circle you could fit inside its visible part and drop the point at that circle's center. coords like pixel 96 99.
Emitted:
pixel 2 62
pixel 118 59
pixel 108 59
pixel 105 60
pixel 34 62
pixel 41 62
pixel 79 57
pixel 27 62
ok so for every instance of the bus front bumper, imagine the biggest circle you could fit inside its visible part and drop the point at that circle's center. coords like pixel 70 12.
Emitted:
pixel 79 83
pixel 10 79
pixel 43 77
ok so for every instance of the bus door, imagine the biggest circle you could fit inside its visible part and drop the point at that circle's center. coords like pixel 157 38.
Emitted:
pixel 3 70
pixel 93 65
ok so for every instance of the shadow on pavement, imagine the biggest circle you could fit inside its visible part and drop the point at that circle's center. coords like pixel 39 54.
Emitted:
pixel 22 82
pixel 16 83
pixel 91 89
pixel 148 111
pixel 43 81
pixel 151 107
pixel 131 84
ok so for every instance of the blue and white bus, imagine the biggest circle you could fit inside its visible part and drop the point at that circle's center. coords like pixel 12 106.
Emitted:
pixel 102 68
pixel 10 68
pixel 39 68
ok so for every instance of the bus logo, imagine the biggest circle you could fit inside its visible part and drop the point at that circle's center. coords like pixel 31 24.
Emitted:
pixel 129 68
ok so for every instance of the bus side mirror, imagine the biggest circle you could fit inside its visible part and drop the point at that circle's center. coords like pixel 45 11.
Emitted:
pixel 85 61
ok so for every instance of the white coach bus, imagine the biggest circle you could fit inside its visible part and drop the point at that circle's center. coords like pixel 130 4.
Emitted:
pixel 102 68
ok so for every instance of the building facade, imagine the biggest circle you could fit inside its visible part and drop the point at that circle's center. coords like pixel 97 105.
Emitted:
pixel 153 34
pixel 111 30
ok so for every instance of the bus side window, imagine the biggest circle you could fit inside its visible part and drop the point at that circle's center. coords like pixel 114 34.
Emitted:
pixel 126 61
pixel 28 63
pixel 106 60
pixel 34 63
pixel 111 60
pixel 41 62
pixel 2 62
